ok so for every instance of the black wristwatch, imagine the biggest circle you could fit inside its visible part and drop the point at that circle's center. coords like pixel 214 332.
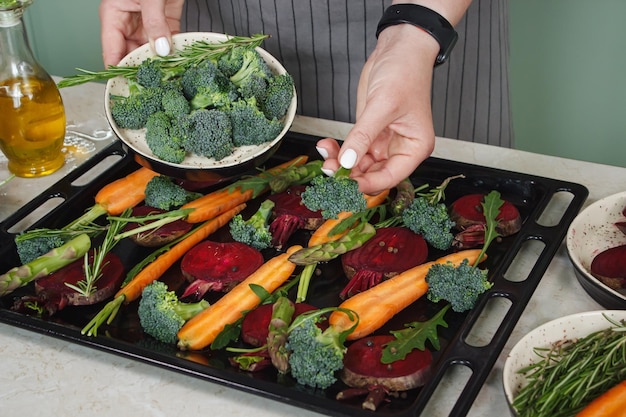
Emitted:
pixel 429 20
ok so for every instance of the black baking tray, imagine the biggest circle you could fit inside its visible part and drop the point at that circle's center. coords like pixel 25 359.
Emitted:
pixel 531 194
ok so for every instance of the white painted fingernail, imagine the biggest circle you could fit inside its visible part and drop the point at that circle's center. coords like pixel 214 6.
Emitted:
pixel 323 152
pixel 162 46
pixel 348 159
pixel 328 172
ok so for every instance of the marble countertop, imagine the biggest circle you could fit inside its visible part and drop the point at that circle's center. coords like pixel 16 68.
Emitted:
pixel 42 375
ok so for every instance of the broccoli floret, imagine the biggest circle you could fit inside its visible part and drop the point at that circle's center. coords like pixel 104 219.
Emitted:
pixel 315 355
pixel 278 96
pixel 232 61
pixel 209 134
pixel 251 78
pixel 163 139
pixel 255 231
pixel 432 221
pixel 132 111
pixel 332 195
pixel 162 314
pixel 250 126
pixel 174 103
pixel 150 73
pixel 460 286
pixel 163 193
pixel 29 249
pixel 206 86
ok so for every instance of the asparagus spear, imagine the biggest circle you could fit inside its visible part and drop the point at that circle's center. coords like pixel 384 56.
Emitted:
pixel 282 314
pixel 330 250
pixel 52 261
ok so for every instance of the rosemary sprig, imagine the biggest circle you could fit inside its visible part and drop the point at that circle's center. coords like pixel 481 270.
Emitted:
pixel 93 270
pixel 189 55
pixel 572 373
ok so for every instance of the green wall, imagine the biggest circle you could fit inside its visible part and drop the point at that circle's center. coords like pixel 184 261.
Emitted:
pixel 567 69
pixel 568 85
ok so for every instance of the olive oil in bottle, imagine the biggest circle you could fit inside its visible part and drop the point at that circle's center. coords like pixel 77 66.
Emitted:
pixel 33 116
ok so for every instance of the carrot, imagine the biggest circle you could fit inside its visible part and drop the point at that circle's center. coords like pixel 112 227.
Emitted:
pixel 202 329
pixel 156 269
pixel 126 192
pixel 215 203
pixel 380 303
pixel 610 404
pixel 321 234
pixel 117 196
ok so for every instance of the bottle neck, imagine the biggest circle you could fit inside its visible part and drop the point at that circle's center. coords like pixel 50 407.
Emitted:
pixel 16 57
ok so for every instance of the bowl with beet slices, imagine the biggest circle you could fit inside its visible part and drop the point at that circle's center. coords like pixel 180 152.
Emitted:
pixel 194 167
pixel 596 245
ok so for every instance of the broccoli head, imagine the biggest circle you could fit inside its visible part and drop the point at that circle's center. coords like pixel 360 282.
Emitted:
pixel 255 231
pixel 250 126
pixel 174 103
pixel 432 221
pixel 162 314
pixel 163 139
pixel 460 286
pixel 209 134
pixel 315 355
pixel 29 249
pixel 163 193
pixel 203 79
pixel 232 61
pixel 251 78
pixel 332 195
pixel 278 96
pixel 150 73
pixel 132 111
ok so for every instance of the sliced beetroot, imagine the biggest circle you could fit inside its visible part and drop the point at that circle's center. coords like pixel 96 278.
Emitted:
pixel 391 251
pixel 291 215
pixel 54 295
pixel 467 210
pixel 621 226
pixel 157 237
pixel 215 266
pixel 609 266
pixel 254 327
pixel 363 366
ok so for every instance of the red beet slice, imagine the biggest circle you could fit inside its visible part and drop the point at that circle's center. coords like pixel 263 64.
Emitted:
pixel 55 295
pixel 218 266
pixel 391 251
pixel 467 213
pixel 609 266
pixel 621 226
pixel 291 215
pixel 254 327
pixel 157 237
pixel 363 368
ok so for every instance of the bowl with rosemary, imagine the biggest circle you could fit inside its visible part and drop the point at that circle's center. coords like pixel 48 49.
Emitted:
pixel 217 107
pixel 561 367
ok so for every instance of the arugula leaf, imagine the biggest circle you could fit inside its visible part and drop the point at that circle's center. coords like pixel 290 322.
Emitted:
pixel 414 336
pixel 491 209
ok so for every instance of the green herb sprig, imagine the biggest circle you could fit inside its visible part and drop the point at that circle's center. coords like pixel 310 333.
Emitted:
pixel 189 55
pixel 571 374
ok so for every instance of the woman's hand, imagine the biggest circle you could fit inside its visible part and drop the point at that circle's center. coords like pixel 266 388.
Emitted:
pixel 128 24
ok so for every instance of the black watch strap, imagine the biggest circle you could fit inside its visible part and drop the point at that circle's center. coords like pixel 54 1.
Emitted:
pixel 429 20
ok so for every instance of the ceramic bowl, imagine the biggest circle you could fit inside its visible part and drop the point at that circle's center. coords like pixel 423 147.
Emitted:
pixel 592 232
pixel 544 336
pixel 194 167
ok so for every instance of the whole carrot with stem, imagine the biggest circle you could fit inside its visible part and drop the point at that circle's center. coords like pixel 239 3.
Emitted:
pixel 154 270
pixel 201 330
pixel 377 305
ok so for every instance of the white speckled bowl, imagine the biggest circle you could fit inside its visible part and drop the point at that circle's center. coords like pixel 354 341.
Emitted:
pixel 592 232
pixel 194 167
pixel 561 329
